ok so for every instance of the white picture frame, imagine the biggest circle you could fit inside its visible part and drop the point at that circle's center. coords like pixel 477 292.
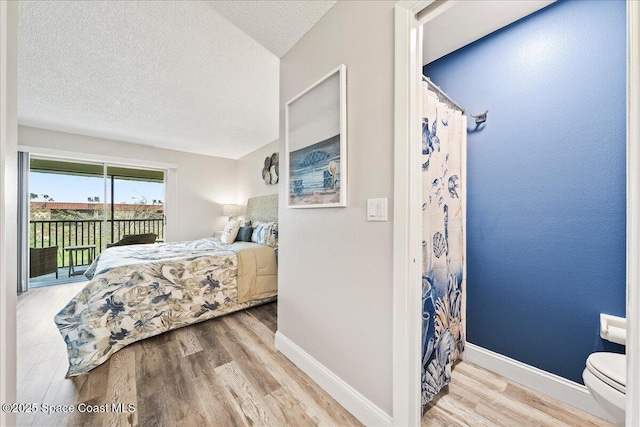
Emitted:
pixel 316 144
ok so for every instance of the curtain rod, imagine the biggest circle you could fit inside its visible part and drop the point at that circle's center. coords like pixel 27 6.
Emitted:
pixel 441 92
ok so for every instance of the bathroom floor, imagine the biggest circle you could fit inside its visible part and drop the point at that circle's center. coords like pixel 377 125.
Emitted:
pixel 477 397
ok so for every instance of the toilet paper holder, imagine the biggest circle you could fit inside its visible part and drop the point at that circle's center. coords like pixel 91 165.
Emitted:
pixel 613 328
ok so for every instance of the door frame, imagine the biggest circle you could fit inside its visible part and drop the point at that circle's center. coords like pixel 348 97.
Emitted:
pixel 633 214
pixel 8 202
pixel 407 231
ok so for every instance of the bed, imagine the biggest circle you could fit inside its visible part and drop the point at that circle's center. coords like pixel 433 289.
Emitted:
pixel 136 292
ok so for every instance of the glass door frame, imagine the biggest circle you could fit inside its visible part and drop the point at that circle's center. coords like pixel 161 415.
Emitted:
pixel 107 180
pixel 106 164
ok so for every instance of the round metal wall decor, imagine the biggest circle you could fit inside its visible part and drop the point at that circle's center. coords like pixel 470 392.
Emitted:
pixel 271 170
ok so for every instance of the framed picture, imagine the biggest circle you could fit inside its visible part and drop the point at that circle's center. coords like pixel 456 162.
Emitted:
pixel 316 144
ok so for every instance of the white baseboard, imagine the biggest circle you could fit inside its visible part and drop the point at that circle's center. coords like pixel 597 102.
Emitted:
pixel 559 388
pixel 353 401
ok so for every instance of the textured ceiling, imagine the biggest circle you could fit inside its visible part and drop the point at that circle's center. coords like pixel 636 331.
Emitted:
pixel 276 25
pixel 169 74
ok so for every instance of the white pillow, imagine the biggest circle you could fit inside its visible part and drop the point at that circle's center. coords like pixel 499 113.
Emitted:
pixel 230 231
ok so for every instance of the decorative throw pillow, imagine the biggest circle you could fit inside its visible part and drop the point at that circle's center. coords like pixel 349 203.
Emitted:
pixel 258 231
pixel 244 235
pixel 245 223
pixel 230 231
pixel 266 233
pixel 271 239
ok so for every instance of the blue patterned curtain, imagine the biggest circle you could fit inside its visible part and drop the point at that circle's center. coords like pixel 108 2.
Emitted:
pixel 443 130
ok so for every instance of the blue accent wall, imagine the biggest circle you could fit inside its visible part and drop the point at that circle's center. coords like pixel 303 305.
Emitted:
pixel 546 182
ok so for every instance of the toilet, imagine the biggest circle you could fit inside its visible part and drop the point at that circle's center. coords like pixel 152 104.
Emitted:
pixel 605 377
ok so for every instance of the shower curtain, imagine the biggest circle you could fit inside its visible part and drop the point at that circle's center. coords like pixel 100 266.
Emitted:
pixel 443 134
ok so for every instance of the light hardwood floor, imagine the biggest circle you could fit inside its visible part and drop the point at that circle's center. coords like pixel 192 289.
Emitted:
pixel 477 397
pixel 221 372
pixel 226 372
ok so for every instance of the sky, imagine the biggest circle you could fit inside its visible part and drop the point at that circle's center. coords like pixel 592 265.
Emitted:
pixel 69 188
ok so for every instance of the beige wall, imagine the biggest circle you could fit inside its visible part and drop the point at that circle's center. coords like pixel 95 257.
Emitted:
pixel 249 174
pixel 197 189
pixel 335 272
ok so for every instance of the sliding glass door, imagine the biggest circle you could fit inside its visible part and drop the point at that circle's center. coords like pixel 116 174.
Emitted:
pixel 77 209
pixel 135 202
pixel 66 217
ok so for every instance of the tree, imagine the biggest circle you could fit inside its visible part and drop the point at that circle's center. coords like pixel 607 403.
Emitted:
pixel 40 211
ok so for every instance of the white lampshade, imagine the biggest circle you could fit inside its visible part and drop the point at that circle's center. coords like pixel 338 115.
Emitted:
pixel 229 210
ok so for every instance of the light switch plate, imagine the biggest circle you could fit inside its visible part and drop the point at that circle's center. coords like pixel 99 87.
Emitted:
pixel 377 209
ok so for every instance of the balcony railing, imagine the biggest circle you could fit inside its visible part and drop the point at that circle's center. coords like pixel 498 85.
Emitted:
pixel 64 233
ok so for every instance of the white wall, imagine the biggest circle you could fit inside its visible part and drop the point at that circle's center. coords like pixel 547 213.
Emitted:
pixel 197 189
pixel 335 271
pixel 8 203
pixel 249 174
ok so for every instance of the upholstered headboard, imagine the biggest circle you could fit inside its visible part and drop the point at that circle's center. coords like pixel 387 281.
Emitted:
pixel 263 208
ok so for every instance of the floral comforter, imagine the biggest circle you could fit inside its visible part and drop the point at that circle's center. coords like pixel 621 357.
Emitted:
pixel 139 291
